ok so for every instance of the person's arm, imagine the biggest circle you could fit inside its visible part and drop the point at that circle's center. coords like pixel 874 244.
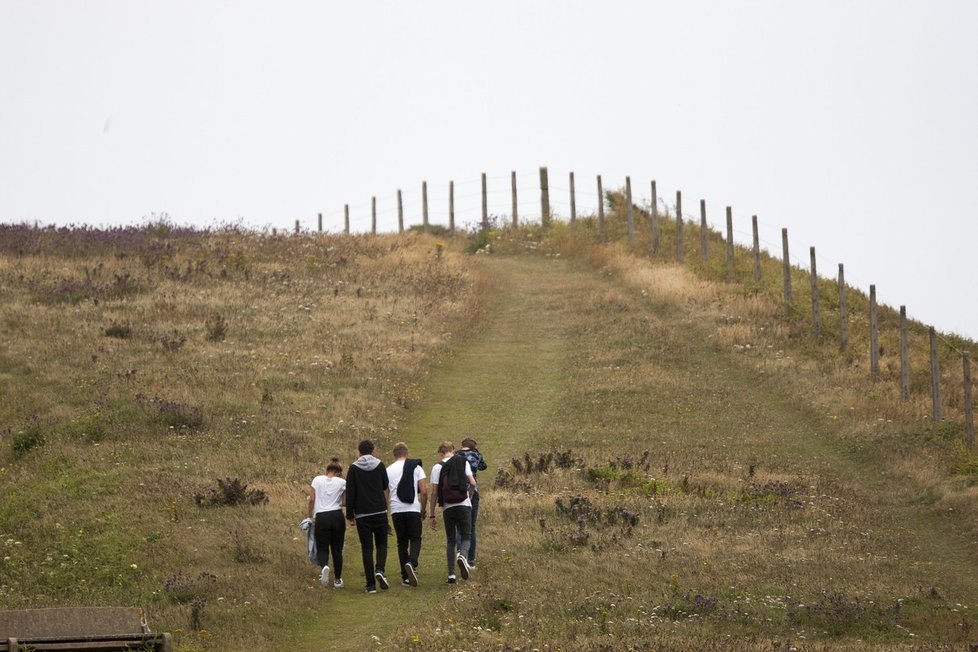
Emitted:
pixel 351 496
pixel 433 497
pixel 312 502
pixel 423 495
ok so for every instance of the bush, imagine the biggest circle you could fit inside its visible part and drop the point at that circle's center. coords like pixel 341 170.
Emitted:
pixel 28 439
pixel 217 328
pixel 230 492
pixel 120 331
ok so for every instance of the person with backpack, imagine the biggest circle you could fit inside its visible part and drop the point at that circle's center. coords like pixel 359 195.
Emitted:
pixel 409 500
pixel 477 463
pixel 367 501
pixel 453 482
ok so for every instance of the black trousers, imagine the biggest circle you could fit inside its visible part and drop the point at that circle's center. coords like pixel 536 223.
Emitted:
pixel 329 532
pixel 408 526
pixel 373 533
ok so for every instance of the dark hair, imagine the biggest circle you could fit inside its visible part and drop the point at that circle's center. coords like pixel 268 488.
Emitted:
pixel 334 466
pixel 366 447
pixel 468 442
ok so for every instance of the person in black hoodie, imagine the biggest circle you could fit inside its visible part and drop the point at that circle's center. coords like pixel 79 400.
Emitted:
pixel 367 501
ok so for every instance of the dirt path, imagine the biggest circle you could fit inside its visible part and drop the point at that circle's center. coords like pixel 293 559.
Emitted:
pixel 498 389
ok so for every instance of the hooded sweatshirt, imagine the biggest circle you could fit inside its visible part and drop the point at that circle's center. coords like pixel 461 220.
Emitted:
pixel 365 484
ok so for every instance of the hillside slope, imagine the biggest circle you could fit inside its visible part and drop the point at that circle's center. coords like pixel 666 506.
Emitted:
pixel 674 462
pixel 656 489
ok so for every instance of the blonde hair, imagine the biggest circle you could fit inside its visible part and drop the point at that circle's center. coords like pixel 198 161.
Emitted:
pixel 446 447
pixel 400 449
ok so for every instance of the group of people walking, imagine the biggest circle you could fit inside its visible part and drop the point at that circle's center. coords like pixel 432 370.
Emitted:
pixel 372 490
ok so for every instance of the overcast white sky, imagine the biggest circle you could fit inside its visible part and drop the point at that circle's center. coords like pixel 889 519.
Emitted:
pixel 852 123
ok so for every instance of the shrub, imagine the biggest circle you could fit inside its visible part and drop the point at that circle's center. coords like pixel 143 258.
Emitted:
pixel 28 439
pixel 178 415
pixel 120 331
pixel 217 328
pixel 230 492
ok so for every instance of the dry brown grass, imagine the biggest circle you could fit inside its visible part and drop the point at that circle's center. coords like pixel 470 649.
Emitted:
pixel 785 499
pixel 326 341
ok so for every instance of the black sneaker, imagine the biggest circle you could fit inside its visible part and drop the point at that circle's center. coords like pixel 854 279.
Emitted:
pixel 412 577
pixel 406 582
pixel 451 579
pixel 382 580
pixel 463 567
pixel 371 589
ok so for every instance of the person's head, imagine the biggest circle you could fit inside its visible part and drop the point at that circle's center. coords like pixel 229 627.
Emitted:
pixel 446 448
pixel 400 450
pixel 334 468
pixel 366 447
pixel 468 442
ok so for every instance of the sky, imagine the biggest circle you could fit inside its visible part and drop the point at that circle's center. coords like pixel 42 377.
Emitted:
pixel 852 123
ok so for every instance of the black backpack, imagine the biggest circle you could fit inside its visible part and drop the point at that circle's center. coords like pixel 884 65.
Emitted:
pixel 449 493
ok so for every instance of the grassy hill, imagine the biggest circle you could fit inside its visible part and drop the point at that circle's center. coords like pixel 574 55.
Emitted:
pixel 676 463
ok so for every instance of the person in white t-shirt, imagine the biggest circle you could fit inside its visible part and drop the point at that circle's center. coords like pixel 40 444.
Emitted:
pixel 409 499
pixel 327 497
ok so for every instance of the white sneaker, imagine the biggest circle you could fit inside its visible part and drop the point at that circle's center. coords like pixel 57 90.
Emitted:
pixel 324 576
pixel 338 584
pixel 412 577
pixel 463 567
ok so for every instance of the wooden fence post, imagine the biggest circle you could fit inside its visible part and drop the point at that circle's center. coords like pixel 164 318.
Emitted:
pixel 373 215
pixel 297 227
pixel 680 248
pixel 516 210
pixel 904 356
pixel 400 213
pixel 601 232
pixel 424 206
pixel 786 265
pixel 969 412
pixel 816 322
pixel 655 220
pixel 573 205
pixel 544 198
pixel 485 204
pixel 628 211
pixel 703 232
pixel 843 311
pixel 320 222
pixel 451 207
pixel 730 245
pixel 757 250
pixel 935 376
pixel 874 335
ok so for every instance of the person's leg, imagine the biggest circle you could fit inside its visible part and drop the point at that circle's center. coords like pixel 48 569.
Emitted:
pixel 321 532
pixel 401 526
pixel 381 530
pixel 464 526
pixel 449 517
pixel 337 536
pixel 415 528
pixel 365 532
pixel 475 515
